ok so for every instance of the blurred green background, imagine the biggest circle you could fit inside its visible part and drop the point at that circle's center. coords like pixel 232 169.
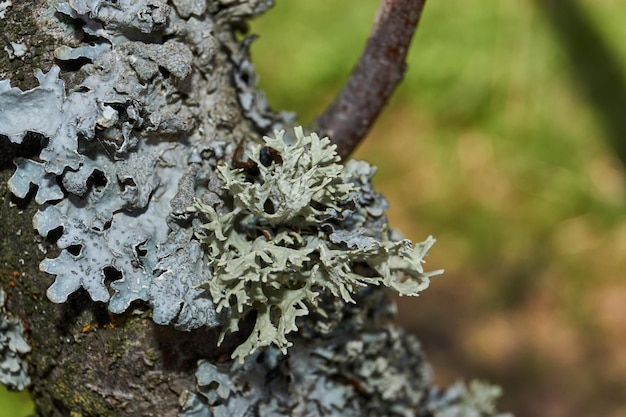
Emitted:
pixel 504 142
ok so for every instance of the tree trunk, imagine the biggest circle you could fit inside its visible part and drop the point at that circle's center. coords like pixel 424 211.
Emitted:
pixel 154 96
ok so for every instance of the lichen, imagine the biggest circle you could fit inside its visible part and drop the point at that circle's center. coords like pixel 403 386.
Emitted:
pixel 283 243
pixel 236 11
pixel 161 98
pixel 4 5
pixel 293 180
pixel 13 348
pixel 365 366
pixel 122 153
pixel 246 389
pixel 15 50
pixel 459 400
pixel 106 19
pixel 111 214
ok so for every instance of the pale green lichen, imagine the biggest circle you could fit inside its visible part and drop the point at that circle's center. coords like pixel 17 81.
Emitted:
pixel 13 348
pixel 286 241
pixel 360 368
pixel 308 173
pixel 459 400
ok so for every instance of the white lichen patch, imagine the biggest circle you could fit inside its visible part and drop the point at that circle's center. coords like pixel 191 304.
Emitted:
pixel 308 175
pixel 103 182
pixel 122 153
pixel 4 5
pixel 13 347
pixel 287 240
pixel 15 50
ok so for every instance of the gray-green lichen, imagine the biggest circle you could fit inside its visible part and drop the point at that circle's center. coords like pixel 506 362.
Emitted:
pixel 13 347
pixel 459 400
pixel 161 98
pixel 364 367
pixel 110 175
pixel 4 5
pixel 284 243
pixel 113 202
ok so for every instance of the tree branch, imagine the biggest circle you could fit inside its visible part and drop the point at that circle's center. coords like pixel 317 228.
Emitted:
pixel 380 69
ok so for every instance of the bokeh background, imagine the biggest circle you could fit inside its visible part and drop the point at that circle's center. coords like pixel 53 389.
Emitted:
pixel 506 141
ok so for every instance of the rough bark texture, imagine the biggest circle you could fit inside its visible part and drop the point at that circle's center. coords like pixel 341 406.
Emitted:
pixel 84 360
pixel 184 87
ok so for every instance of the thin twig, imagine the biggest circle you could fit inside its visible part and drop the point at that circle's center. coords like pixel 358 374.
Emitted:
pixel 379 70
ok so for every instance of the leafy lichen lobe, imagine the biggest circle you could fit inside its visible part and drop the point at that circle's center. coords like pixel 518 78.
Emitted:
pixel 291 236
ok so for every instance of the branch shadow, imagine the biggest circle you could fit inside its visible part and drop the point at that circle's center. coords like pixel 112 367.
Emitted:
pixel 594 66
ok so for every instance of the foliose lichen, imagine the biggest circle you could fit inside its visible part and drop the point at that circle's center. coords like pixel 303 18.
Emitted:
pixel 162 96
pixel 4 5
pixel 237 10
pixel 459 400
pixel 124 152
pixel 13 348
pixel 15 50
pixel 283 243
pixel 357 369
pixel 111 205
pixel 365 366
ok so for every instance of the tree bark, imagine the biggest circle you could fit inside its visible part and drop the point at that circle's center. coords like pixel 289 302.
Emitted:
pixel 164 81
pixel 84 359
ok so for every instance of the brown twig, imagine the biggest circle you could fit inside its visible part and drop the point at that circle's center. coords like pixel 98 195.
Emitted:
pixel 379 70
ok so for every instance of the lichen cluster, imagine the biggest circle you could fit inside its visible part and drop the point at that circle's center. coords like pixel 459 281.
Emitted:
pixel 154 209
pixel 13 347
pixel 289 238
pixel 125 152
pixel 363 367
pixel 122 153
